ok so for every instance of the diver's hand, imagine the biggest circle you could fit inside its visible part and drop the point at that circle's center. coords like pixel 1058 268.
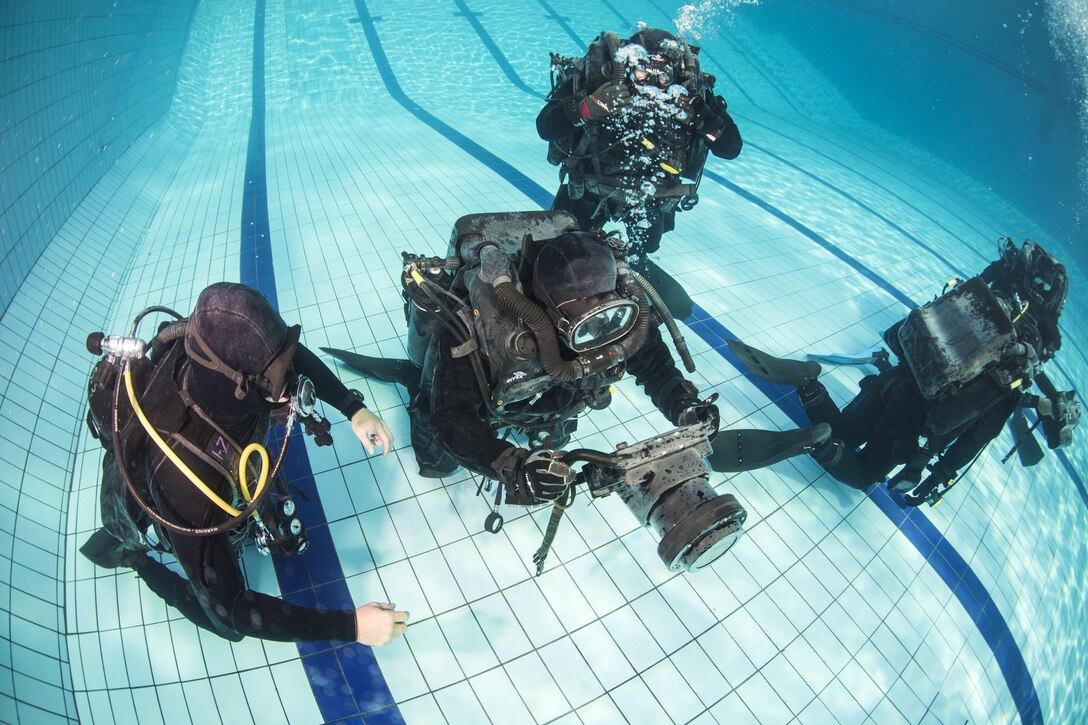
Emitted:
pixel 548 477
pixel 709 116
pixel 605 100
pixel 371 431
pixel 702 411
pixel 532 478
pixel 378 624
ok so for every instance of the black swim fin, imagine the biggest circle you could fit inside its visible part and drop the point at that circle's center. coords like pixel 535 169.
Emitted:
pixel 672 293
pixel 781 371
pixel 748 449
pixel 106 551
pixel 387 370
pixel 878 359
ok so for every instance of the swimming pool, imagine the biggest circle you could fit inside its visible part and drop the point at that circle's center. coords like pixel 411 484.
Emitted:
pixel 300 146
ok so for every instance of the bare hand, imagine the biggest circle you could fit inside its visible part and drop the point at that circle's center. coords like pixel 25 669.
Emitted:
pixel 371 431
pixel 378 624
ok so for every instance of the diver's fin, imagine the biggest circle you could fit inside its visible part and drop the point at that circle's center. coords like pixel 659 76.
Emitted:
pixel 878 358
pixel 781 371
pixel 672 293
pixel 1028 450
pixel 387 370
pixel 105 550
pixel 747 449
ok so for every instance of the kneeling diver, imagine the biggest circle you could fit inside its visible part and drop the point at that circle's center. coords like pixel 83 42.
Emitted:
pixel 536 331
pixel 180 426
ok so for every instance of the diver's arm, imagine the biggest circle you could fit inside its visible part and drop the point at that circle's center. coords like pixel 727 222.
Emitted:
pixel 655 370
pixel 968 444
pixel 327 386
pixel 561 116
pixel 214 575
pixel 457 415
pixel 236 610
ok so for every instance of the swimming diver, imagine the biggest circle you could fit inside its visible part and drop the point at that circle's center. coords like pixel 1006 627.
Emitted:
pixel 630 125
pixel 553 322
pixel 965 361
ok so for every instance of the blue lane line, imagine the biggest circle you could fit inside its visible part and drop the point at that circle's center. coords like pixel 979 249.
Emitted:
pixel 345 678
pixel 492 48
pixel 952 568
pixel 850 197
pixel 562 22
pixel 854 264
pixel 519 180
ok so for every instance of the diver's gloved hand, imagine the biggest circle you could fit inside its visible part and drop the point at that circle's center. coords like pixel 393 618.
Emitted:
pixel 701 411
pixel 532 478
pixel 605 100
pixel 709 115
pixel 547 476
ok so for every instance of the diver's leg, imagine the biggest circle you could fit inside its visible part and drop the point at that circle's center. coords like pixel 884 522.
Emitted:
pixel 581 208
pixel 175 591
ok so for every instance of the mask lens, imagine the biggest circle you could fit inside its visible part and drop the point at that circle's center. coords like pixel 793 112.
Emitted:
pixel 602 326
pixel 1041 284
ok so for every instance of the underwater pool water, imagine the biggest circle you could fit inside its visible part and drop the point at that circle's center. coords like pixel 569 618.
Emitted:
pixel 152 148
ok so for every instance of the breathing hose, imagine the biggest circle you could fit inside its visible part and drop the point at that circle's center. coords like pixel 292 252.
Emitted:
pixel 548 342
pixel 666 317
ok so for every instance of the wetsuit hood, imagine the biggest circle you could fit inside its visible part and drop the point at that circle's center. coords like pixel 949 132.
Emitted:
pixel 241 349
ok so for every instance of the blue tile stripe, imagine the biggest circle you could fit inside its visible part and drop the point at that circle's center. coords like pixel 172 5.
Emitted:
pixel 345 678
pixel 952 568
pixel 492 48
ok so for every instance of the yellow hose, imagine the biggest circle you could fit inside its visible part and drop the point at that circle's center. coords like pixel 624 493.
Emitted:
pixel 169 453
pixel 262 479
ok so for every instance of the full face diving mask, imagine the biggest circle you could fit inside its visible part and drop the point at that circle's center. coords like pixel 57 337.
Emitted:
pixel 589 323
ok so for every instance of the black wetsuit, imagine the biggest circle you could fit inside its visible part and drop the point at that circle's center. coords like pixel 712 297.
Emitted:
pixel 215 596
pixel 452 415
pixel 889 415
pixel 557 123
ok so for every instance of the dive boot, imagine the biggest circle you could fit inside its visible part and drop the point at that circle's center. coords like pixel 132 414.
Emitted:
pixel 387 370
pixel 106 551
pixel 778 370
pixel 748 449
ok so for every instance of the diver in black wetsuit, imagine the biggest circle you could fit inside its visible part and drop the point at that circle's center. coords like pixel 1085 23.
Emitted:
pixel 965 361
pixel 630 126
pixel 208 389
pixel 532 361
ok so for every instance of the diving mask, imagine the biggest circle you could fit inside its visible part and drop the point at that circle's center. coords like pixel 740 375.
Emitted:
pixel 596 321
pixel 653 71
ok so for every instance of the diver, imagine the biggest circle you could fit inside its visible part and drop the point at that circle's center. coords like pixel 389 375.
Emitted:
pixel 181 427
pixel 965 361
pixel 1039 281
pixel 630 126
pixel 542 320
